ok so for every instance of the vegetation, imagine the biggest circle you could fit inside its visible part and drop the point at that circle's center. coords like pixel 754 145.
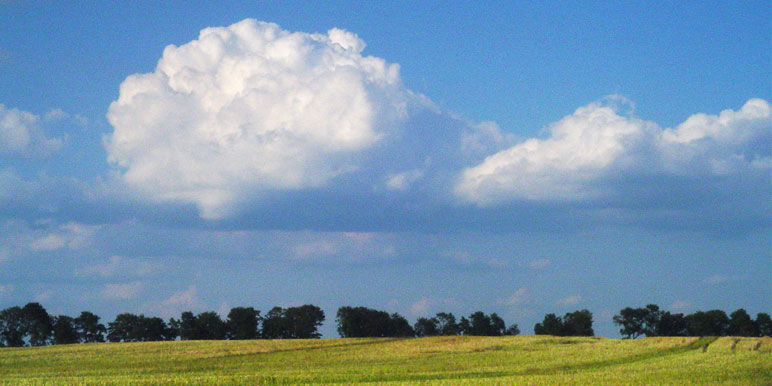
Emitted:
pixel 651 321
pixel 447 360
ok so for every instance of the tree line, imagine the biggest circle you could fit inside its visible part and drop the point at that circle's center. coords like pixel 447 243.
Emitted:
pixel 32 325
pixel 652 321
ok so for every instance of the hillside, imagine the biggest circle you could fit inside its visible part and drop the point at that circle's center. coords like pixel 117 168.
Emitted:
pixel 524 360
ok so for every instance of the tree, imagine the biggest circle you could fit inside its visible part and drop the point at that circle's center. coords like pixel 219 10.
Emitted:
pixel 672 325
pixel 708 323
pixel 37 324
pixel 274 324
pixel 464 326
pixel 64 331
pixel 632 322
pixel 185 326
pixel 551 325
pixel 497 326
pixel 243 323
pixel 741 324
pixel 426 327
pixel 764 324
pixel 153 329
pixel 512 330
pixel 303 322
pixel 399 327
pixel 578 323
pixel 89 329
pixel 446 323
pixel 125 328
pixel 209 326
pixel 12 327
pixel 357 322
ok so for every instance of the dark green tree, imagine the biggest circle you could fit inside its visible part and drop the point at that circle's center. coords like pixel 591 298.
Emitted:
pixel 185 326
pixel 426 327
pixel 632 321
pixel 399 327
pixel 447 324
pixel 209 326
pixel 708 323
pixel 764 324
pixel 303 322
pixel 672 325
pixel 37 324
pixel 12 327
pixel 551 325
pixel 275 325
pixel 243 323
pixel 89 329
pixel 64 331
pixel 741 324
pixel 578 323
pixel 512 330
pixel 357 322
pixel 125 328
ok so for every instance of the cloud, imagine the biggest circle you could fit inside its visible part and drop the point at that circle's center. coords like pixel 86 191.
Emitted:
pixel 21 134
pixel 118 265
pixel 570 300
pixel 250 108
pixel 6 289
pixel 680 305
pixel 721 279
pixel 518 297
pixel 587 150
pixel 71 235
pixel 122 291
pixel 538 264
pixel 185 298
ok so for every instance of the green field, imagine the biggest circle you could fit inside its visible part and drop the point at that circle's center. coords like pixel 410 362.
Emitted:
pixel 524 360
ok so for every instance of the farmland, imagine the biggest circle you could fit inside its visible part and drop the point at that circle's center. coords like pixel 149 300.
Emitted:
pixel 457 360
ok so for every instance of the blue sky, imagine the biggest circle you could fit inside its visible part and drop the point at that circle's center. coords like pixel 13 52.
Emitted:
pixel 511 157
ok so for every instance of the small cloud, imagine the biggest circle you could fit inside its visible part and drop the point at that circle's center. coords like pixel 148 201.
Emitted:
pixel 315 249
pixel 117 265
pixel 122 291
pixel 21 134
pixel 71 236
pixel 497 263
pixel 185 298
pixel 680 305
pixel 721 279
pixel 6 289
pixel 56 115
pixel 402 181
pixel 538 264
pixel 423 306
pixel 420 307
pixel 359 236
pixel 519 297
pixel 462 257
pixel 43 296
pixel 571 300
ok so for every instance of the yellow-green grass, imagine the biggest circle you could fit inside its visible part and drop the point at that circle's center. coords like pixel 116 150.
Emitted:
pixel 525 360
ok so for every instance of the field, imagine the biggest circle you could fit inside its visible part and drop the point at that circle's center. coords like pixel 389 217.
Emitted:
pixel 525 360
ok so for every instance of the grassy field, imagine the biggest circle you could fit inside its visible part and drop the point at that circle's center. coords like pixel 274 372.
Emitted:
pixel 526 360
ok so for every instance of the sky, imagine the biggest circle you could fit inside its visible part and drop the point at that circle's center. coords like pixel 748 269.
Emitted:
pixel 511 157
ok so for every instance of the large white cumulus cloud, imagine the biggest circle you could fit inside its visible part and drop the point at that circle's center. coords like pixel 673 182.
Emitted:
pixel 596 144
pixel 250 108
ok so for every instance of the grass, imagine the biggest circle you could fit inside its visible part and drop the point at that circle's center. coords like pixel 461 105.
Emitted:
pixel 525 360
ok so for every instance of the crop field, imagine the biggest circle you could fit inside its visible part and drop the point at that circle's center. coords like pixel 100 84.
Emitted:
pixel 458 360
